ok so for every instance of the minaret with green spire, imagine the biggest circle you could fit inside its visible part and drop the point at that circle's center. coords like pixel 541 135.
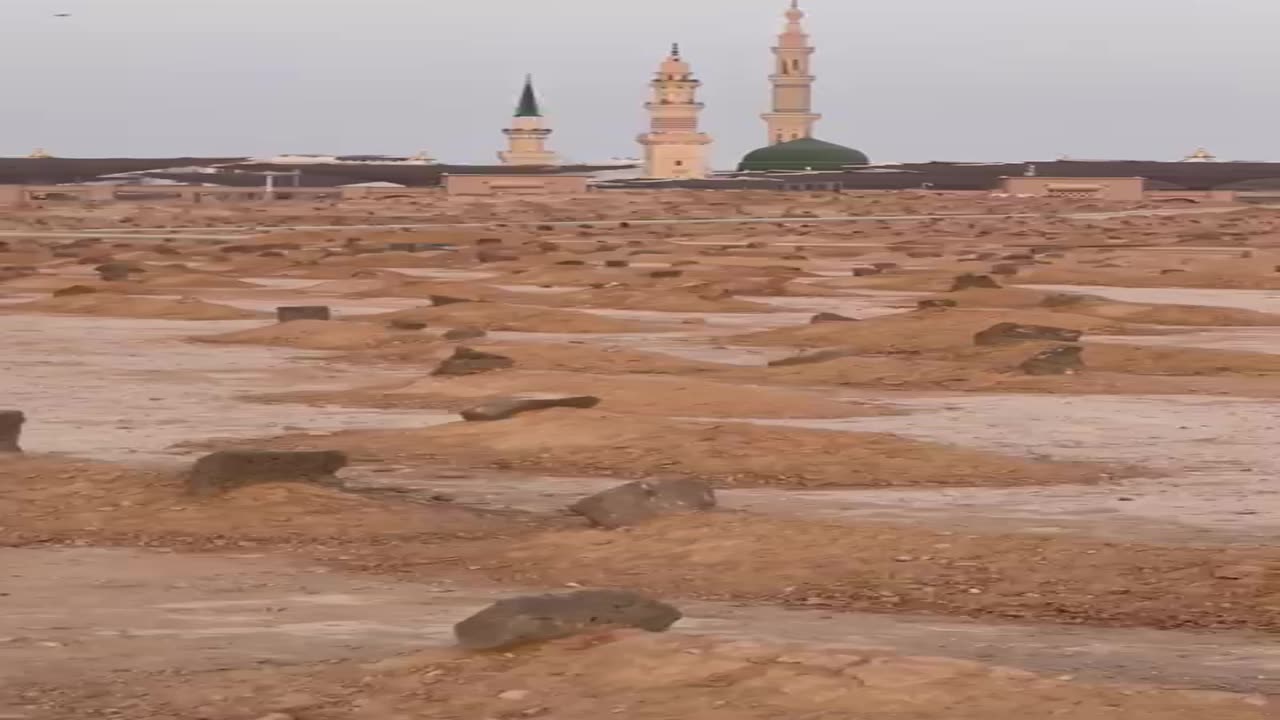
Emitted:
pixel 527 136
pixel 528 105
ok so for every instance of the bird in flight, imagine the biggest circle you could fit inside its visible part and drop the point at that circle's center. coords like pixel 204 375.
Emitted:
pixel 62 14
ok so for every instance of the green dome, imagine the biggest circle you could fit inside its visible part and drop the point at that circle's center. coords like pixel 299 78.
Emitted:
pixel 802 154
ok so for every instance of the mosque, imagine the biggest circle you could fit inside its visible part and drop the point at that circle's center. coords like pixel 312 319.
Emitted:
pixel 675 149
pixel 675 153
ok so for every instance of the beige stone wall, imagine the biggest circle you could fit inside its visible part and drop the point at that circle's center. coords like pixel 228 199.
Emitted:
pixel 676 161
pixel 1121 189
pixel 515 184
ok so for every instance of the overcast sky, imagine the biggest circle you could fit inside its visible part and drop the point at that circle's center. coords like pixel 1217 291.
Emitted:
pixel 899 79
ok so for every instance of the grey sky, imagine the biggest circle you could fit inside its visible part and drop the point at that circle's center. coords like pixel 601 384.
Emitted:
pixel 900 79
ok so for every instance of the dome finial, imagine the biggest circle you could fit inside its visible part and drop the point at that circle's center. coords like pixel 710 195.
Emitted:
pixel 794 13
pixel 675 50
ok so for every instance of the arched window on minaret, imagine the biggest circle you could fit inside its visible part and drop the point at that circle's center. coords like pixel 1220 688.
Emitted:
pixel 795 65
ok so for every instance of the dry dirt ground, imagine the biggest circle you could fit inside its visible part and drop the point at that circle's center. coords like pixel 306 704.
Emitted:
pixel 911 525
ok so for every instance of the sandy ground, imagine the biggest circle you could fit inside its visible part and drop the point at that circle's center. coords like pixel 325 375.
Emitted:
pixel 1176 433
pixel 119 613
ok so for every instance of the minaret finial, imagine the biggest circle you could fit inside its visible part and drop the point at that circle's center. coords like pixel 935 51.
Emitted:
pixel 675 50
pixel 528 104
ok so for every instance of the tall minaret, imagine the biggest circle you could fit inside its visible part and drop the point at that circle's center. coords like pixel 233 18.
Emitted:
pixel 792 116
pixel 673 147
pixel 527 137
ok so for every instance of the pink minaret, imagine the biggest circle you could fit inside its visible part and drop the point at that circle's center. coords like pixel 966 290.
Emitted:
pixel 673 147
pixel 792 116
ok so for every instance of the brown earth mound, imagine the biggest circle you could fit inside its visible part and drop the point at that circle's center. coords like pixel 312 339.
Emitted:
pixel 1244 278
pixel 319 335
pixel 929 281
pixel 191 280
pixel 907 569
pixel 578 442
pixel 517 318
pixel 48 283
pixel 128 306
pixel 644 676
pixel 920 331
pixel 552 356
pixel 368 287
pixel 1187 315
pixel 327 272
pixel 54 499
pixel 426 288
pixel 996 368
pixel 1092 305
pixel 624 394
pixel 382 260
pixel 695 298
pixel 1146 360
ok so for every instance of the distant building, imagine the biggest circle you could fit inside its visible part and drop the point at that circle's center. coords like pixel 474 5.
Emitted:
pixel 790 121
pixel 522 184
pixel 421 158
pixel 1200 155
pixel 673 147
pixel 527 136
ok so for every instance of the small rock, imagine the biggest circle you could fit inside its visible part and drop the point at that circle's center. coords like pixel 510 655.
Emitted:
pixel 1006 333
pixel 1239 572
pixel 74 290
pixel 230 469
pixel 638 502
pixel 936 303
pixel 288 313
pixel 666 274
pixel 538 618
pixel 117 271
pixel 439 300
pixel 825 317
pixel 11 422
pixel 505 408
pixel 865 271
pixel 970 280
pixel 1061 360
pixel 464 333
pixel 1005 269
pixel 809 358
pixel 465 361
pixel 616 263
pixel 1064 300
pixel 402 324
pixel 514 695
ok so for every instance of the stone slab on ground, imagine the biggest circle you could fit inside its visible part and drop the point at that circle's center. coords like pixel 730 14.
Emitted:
pixel 644 500
pixel 230 469
pixel 504 408
pixel 538 618
pixel 11 422
pixel 1060 360
pixel 287 313
pixel 466 361
pixel 1007 332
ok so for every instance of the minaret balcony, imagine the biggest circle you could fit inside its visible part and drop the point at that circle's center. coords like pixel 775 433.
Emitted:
pixel 792 79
